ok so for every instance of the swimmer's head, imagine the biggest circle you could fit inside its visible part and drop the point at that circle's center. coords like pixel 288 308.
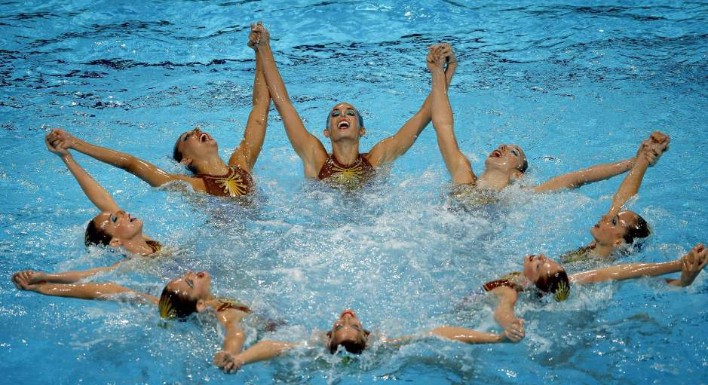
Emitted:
pixel 509 158
pixel 344 120
pixel 556 284
pixel 185 295
pixel 112 229
pixel 95 235
pixel 548 276
pixel 625 228
pixel 637 229
pixel 348 332
pixel 193 145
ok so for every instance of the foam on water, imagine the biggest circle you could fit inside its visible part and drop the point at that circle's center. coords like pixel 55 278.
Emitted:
pixel 573 85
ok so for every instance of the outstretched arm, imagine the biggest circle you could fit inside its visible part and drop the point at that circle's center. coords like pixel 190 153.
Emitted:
pixel 102 291
pixel 605 171
pixel 654 146
pixel 514 333
pixel 138 167
pixel 306 145
pixel 247 152
pixel 94 192
pixel 261 351
pixel 31 277
pixel 589 175
pixel 690 265
pixel 389 149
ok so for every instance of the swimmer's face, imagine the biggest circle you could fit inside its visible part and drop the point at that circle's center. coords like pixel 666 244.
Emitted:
pixel 610 231
pixel 507 157
pixel 344 121
pixel 193 285
pixel 347 328
pixel 536 266
pixel 195 144
pixel 119 225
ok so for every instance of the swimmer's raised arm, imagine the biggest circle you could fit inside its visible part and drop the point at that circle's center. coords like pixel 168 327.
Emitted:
pixel 690 265
pixel 94 192
pixel 457 163
pixel 138 167
pixel 246 154
pixel 261 351
pixel 396 145
pixel 649 150
pixel 306 145
pixel 600 172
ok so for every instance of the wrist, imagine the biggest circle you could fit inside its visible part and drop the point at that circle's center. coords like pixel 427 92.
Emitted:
pixel 437 72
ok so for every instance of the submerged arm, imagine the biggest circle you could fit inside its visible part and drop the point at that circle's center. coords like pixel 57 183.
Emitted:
pixel 248 150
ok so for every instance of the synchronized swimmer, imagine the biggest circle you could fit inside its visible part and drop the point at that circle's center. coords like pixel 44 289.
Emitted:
pixel 196 150
pixel 346 167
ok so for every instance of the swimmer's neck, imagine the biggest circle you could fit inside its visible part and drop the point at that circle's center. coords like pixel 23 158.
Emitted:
pixel 138 246
pixel 599 250
pixel 212 165
pixel 345 152
pixel 522 281
pixel 212 301
pixel 494 180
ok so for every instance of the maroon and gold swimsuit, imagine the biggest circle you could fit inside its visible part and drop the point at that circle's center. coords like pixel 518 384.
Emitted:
pixel 507 280
pixel 353 175
pixel 235 182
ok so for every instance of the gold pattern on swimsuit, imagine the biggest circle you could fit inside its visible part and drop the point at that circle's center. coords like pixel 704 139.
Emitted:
pixel 562 292
pixel 227 303
pixel 579 255
pixel 470 195
pixel 348 176
pixel 233 185
pixel 167 309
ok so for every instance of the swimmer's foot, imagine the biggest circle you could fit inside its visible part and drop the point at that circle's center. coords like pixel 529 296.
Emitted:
pixel 691 265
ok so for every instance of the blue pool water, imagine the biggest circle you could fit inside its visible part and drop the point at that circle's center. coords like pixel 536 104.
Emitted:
pixel 573 83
